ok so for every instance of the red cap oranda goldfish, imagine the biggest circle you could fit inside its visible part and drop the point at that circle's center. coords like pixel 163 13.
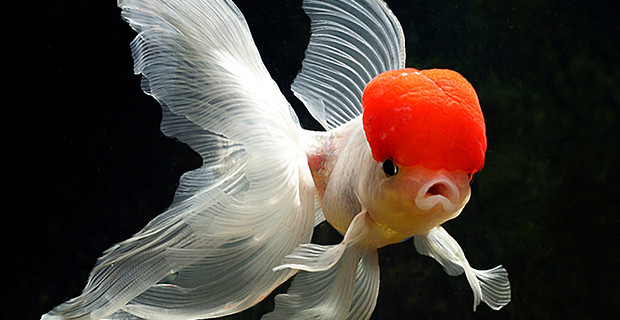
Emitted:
pixel 395 162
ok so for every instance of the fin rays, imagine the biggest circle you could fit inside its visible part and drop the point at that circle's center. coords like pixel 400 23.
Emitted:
pixel 490 286
pixel 335 282
pixel 350 43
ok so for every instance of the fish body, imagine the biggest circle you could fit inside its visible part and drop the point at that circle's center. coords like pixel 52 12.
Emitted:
pixel 395 162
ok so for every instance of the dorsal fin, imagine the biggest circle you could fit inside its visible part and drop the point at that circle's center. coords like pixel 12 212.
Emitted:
pixel 351 42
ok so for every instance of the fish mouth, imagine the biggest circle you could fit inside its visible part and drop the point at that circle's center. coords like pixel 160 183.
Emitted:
pixel 442 190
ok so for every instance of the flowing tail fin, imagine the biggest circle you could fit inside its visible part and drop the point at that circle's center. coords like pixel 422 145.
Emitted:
pixel 212 253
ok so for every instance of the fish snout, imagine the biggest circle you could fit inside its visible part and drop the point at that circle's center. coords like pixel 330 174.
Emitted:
pixel 441 189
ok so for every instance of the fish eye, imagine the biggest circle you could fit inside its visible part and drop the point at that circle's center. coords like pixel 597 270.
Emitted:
pixel 389 167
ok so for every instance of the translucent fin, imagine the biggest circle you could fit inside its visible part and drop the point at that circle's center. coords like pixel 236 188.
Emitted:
pixel 319 295
pixel 313 257
pixel 337 282
pixel 491 286
pixel 122 315
pixel 318 214
pixel 212 252
pixel 209 255
pixel 198 58
pixel 221 157
pixel 366 286
pixel 132 266
pixel 351 42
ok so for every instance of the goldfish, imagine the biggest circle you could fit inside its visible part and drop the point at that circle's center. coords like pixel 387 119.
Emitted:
pixel 394 163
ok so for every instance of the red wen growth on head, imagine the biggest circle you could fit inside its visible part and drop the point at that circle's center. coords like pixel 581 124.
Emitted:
pixel 430 118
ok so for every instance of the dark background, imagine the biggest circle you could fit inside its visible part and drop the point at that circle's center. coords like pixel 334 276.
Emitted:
pixel 87 165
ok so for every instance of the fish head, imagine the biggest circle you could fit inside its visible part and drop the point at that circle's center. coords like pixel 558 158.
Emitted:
pixel 413 200
pixel 427 137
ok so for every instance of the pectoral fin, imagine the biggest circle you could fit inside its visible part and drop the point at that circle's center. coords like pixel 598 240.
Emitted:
pixel 336 282
pixel 491 286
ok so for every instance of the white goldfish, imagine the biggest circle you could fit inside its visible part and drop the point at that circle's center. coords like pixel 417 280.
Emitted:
pixel 395 163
